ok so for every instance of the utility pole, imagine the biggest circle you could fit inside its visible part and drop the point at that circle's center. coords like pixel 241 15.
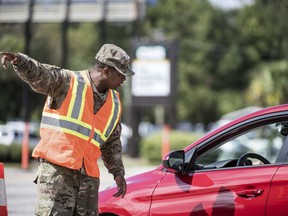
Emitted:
pixel 27 33
pixel 26 102
pixel 102 23
pixel 64 42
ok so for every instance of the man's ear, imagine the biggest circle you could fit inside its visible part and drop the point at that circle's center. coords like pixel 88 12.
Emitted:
pixel 105 71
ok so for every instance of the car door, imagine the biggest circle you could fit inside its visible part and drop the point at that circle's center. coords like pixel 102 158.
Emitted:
pixel 236 191
pixel 278 196
pixel 218 186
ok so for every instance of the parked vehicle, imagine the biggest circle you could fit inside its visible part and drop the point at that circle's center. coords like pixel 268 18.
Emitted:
pixel 126 134
pixel 240 168
pixel 13 132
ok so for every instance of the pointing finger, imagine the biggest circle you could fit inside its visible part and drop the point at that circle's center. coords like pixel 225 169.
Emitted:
pixel 3 61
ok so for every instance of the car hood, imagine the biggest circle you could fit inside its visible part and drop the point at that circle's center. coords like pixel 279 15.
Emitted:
pixel 139 192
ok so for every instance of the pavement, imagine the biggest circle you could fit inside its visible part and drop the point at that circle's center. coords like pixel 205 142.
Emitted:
pixel 21 193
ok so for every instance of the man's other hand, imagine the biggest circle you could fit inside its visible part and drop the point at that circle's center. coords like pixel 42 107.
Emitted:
pixel 121 186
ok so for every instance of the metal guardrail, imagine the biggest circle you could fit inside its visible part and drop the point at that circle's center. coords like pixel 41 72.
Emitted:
pixel 17 11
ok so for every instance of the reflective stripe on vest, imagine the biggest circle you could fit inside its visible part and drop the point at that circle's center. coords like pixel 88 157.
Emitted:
pixel 72 123
pixel 112 119
pixel 76 106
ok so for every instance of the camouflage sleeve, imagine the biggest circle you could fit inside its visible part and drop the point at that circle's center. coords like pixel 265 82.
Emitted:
pixel 111 153
pixel 42 78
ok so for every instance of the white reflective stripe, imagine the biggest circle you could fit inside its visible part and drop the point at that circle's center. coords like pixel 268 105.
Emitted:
pixel 76 121
pixel 109 123
pixel 3 200
pixel 95 143
pixel 75 133
pixel 73 97
pixel 52 127
pixel 112 121
pixel 79 92
pixel 71 126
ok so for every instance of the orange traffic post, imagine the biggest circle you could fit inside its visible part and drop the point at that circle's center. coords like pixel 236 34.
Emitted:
pixel 3 200
pixel 25 147
pixel 165 140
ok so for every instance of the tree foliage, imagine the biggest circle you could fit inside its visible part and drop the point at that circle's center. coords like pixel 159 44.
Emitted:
pixel 226 59
pixel 46 47
pixel 220 51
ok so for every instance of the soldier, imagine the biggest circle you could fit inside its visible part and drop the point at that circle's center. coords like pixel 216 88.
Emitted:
pixel 80 122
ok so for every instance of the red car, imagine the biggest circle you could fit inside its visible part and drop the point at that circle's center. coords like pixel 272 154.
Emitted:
pixel 240 168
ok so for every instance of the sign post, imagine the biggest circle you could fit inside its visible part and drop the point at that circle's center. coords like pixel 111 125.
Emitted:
pixel 165 140
pixel 154 85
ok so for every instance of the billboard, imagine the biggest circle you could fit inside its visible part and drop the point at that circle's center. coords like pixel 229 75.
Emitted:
pixel 153 72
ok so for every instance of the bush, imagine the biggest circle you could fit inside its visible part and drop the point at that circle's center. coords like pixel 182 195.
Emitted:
pixel 4 153
pixel 15 152
pixel 150 147
pixel 12 153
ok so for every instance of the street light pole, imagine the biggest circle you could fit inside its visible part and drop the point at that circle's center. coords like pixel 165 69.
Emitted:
pixel 26 106
pixel 64 42
pixel 102 23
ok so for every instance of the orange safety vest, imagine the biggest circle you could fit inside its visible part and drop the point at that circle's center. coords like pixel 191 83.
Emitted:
pixel 72 134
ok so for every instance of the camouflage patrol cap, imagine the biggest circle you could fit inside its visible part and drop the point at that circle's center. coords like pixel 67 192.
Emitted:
pixel 116 57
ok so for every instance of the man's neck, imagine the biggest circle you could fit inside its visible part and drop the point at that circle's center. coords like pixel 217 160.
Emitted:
pixel 95 79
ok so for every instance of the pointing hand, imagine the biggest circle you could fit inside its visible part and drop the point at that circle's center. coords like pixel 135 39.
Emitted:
pixel 13 58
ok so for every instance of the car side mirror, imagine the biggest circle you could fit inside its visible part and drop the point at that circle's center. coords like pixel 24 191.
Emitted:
pixel 174 161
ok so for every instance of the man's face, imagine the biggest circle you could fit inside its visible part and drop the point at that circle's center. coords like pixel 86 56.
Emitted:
pixel 115 79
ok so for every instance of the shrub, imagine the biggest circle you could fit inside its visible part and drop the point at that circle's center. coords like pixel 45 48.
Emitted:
pixel 12 153
pixel 15 152
pixel 4 153
pixel 150 147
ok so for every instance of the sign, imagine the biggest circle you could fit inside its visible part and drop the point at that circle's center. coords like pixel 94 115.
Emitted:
pixel 152 78
pixel 17 11
pixel 153 72
pixel 151 52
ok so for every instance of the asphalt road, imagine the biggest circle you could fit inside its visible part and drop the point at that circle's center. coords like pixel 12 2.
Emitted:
pixel 21 192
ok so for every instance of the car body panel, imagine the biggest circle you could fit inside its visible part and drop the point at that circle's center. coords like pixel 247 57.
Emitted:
pixel 278 197
pixel 210 192
pixel 137 200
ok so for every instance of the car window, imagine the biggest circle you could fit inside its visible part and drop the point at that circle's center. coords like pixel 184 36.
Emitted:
pixel 261 142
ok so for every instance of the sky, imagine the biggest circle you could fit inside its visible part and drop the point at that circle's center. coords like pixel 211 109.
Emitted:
pixel 230 4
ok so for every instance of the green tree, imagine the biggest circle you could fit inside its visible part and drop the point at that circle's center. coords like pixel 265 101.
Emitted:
pixel 206 64
pixel 46 42
pixel 226 59
pixel 220 51
pixel 268 85
pixel 265 35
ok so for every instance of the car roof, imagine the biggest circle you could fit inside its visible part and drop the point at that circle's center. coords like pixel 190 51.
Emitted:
pixel 261 112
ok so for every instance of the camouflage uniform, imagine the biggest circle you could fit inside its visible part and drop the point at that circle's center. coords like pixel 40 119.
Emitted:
pixel 58 186
pixel 64 192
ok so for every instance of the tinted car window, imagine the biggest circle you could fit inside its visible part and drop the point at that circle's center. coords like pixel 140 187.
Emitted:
pixel 265 141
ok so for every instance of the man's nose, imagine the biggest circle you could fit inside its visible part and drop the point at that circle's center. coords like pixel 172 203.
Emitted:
pixel 123 78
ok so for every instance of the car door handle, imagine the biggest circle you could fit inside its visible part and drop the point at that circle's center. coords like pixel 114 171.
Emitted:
pixel 250 193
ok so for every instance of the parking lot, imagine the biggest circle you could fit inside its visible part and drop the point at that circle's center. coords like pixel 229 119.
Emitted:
pixel 21 192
